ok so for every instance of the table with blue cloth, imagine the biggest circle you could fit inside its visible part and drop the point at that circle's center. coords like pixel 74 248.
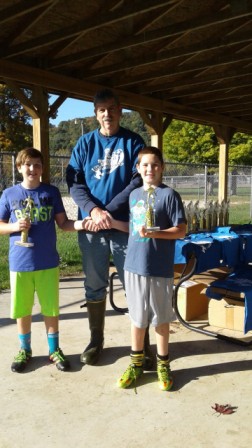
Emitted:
pixel 200 252
pixel 225 246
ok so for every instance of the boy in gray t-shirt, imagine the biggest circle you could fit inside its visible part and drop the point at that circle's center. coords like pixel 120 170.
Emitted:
pixel 157 219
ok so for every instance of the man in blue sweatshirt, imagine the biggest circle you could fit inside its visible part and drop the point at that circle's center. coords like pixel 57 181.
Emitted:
pixel 100 176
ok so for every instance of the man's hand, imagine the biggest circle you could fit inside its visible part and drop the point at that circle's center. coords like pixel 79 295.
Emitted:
pixel 101 218
pixel 89 225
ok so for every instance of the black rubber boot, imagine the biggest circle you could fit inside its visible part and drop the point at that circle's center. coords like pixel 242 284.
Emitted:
pixel 96 316
pixel 149 358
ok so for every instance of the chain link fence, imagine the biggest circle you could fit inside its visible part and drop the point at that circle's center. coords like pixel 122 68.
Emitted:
pixel 194 182
pixel 197 184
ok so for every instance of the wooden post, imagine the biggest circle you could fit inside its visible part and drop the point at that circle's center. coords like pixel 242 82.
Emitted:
pixel 41 129
pixel 224 136
pixel 223 172
pixel 156 125
pixel 37 108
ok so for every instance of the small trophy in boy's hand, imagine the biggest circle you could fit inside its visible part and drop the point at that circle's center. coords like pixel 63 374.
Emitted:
pixel 150 211
pixel 27 214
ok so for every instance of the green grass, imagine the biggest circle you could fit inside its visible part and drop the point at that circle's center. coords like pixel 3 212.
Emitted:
pixel 70 257
pixel 4 263
pixel 239 213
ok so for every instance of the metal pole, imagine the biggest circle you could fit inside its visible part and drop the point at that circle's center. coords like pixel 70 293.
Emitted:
pixel 82 125
pixel 205 192
pixel 62 171
pixel 251 193
pixel 13 170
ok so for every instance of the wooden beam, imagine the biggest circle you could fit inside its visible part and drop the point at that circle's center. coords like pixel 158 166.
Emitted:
pixel 189 70
pixel 93 23
pixel 28 21
pixel 194 83
pixel 24 100
pixel 56 104
pixel 211 92
pixel 184 52
pixel 56 83
pixel 20 9
pixel 156 126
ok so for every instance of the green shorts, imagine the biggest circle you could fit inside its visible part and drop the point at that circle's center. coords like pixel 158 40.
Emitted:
pixel 24 285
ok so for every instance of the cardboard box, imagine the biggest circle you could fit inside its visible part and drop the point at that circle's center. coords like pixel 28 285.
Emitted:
pixel 192 302
pixel 226 313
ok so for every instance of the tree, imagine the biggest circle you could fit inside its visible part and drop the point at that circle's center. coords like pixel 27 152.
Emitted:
pixel 16 130
pixel 133 121
pixel 193 143
pixel 190 142
pixel 240 150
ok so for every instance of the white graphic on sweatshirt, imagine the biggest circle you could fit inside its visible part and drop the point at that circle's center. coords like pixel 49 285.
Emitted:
pixel 109 163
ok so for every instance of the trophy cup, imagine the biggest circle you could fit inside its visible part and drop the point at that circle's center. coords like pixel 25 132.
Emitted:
pixel 150 211
pixel 27 214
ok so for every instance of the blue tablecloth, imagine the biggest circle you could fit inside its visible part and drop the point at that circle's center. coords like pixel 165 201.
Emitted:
pixel 212 249
pixel 244 232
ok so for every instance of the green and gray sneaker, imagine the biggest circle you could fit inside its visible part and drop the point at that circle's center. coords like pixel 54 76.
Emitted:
pixel 165 379
pixel 59 359
pixel 21 360
pixel 131 374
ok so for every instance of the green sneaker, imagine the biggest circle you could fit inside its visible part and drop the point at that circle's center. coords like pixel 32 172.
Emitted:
pixel 165 379
pixel 21 360
pixel 59 359
pixel 131 374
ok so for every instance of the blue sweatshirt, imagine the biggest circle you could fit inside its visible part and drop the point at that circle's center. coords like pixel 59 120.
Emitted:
pixel 102 171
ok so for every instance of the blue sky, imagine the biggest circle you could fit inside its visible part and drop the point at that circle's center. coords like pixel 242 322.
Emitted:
pixel 71 109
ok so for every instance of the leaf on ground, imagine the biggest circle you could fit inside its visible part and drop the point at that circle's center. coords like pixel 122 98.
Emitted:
pixel 225 409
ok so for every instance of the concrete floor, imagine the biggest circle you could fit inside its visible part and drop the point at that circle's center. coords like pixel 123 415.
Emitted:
pixel 83 408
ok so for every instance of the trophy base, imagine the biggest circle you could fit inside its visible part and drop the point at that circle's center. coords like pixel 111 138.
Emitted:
pixel 152 229
pixel 20 243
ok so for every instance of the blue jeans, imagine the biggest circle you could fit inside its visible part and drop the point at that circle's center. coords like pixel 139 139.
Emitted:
pixel 96 249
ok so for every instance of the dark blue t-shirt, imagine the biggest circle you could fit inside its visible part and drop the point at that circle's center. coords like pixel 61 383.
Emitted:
pixel 46 203
pixel 150 256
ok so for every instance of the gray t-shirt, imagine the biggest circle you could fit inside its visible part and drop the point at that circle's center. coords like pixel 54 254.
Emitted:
pixel 149 256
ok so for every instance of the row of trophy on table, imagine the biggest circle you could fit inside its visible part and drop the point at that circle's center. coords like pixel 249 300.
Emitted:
pixel 199 217
pixel 206 216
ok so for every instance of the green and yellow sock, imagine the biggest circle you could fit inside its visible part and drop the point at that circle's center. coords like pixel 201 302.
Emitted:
pixel 137 358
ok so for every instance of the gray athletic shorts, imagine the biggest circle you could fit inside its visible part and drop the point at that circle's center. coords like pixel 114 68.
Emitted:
pixel 149 299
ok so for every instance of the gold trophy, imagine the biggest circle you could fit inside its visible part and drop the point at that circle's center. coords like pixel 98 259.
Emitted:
pixel 150 211
pixel 27 214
